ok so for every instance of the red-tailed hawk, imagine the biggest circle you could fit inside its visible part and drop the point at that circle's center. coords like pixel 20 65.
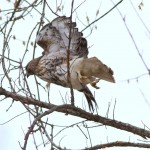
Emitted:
pixel 55 38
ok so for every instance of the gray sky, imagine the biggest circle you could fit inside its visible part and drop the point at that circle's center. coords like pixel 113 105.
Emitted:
pixel 112 44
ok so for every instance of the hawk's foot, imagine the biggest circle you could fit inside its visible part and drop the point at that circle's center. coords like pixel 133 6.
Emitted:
pixel 93 84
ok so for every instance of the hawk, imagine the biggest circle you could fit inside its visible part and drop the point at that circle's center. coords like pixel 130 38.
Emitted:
pixel 56 38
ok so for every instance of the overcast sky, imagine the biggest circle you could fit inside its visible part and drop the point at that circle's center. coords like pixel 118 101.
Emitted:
pixel 112 44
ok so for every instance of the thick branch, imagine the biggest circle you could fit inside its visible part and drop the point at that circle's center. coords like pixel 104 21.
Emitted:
pixel 68 109
pixel 119 144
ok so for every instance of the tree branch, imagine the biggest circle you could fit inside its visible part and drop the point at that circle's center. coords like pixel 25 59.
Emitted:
pixel 118 144
pixel 74 111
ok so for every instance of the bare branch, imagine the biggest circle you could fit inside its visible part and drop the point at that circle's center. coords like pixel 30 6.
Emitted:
pixel 118 144
pixel 68 57
pixel 69 109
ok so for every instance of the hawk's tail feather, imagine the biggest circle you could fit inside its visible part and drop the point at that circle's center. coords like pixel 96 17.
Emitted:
pixel 90 98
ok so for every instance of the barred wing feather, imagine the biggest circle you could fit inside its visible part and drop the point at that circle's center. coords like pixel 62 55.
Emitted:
pixel 58 34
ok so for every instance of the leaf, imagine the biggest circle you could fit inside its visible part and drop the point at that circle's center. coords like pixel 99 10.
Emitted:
pixel 142 4
pixel 58 9
pixel 23 42
pixel 31 43
pixel 14 37
pixel 97 12
pixel 140 7
pixel 87 18
pixel 16 4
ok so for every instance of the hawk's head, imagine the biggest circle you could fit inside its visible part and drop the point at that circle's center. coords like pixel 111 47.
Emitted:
pixel 31 66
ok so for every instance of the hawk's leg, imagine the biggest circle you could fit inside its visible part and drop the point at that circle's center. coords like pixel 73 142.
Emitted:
pixel 48 85
pixel 81 78
pixel 93 84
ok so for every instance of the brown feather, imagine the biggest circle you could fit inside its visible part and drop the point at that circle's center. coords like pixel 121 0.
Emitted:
pixel 94 67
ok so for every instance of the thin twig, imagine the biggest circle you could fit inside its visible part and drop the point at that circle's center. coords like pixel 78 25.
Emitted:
pixel 102 16
pixel 68 57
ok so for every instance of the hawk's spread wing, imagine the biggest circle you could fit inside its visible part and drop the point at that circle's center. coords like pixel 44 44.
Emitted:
pixel 61 34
